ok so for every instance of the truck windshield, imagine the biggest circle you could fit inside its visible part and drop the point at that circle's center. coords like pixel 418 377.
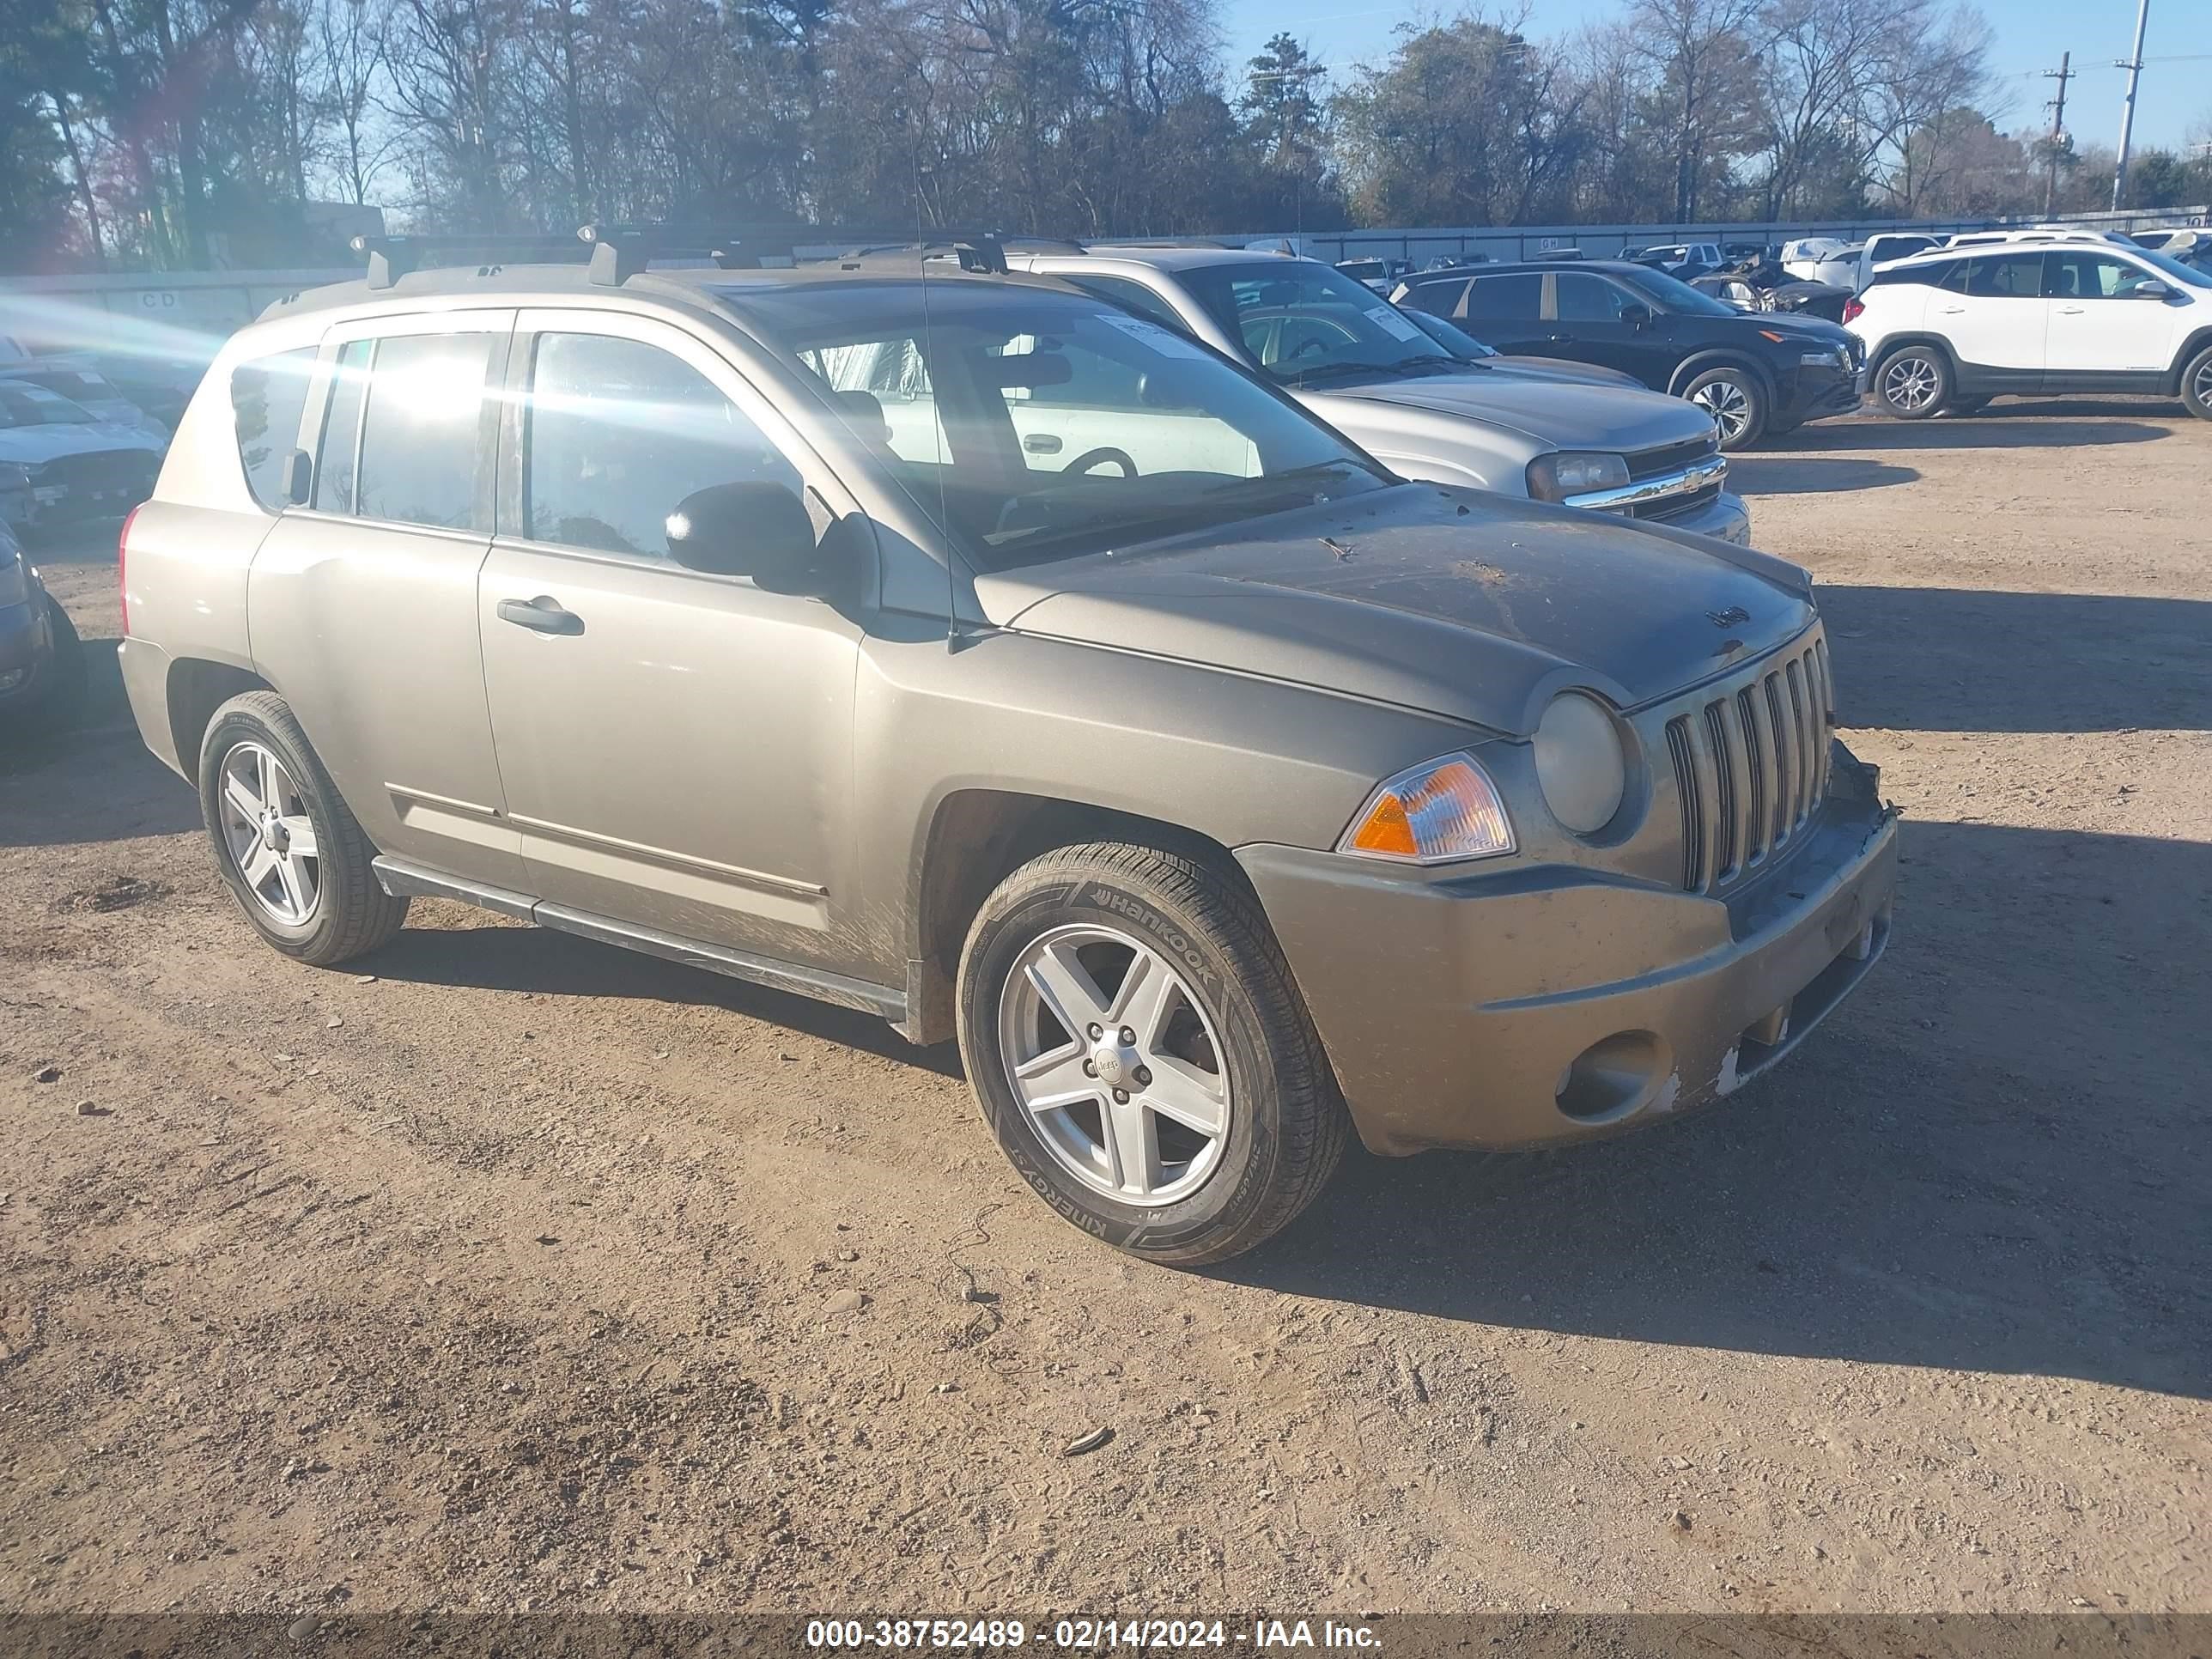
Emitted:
pixel 1305 323
pixel 1032 424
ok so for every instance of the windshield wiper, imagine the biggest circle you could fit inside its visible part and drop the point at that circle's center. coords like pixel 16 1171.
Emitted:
pixel 1307 481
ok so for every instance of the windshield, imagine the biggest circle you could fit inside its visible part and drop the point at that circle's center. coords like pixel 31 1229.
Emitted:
pixel 1450 336
pixel 2178 269
pixel 1305 324
pixel 1032 424
pixel 22 404
pixel 1666 293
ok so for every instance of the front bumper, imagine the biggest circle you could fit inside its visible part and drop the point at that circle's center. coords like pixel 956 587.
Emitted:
pixel 1548 1003
pixel 26 642
pixel 1724 515
pixel 1813 394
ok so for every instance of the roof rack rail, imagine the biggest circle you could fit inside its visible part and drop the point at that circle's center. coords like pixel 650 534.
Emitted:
pixel 390 258
pixel 983 251
pixel 617 252
pixel 620 252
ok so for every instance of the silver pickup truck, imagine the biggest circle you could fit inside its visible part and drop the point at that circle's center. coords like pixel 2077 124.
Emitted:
pixel 969 650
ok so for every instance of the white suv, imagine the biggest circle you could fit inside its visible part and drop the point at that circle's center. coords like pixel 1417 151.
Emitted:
pixel 1952 328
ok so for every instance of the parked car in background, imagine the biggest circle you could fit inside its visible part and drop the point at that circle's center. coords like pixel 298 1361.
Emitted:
pixel 1556 253
pixel 1456 341
pixel 2033 234
pixel 1381 275
pixel 2179 244
pixel 1850 267
pixel 78 467
pixel 1802 257
pixel 1221 809
pixel 1954 328
pixel 159 383
pixel 1732 290
pixel 1372 373
pixel 42 671
pixel 1755 374
pixel 88 389
pixel 1682 259
pixel 1454 261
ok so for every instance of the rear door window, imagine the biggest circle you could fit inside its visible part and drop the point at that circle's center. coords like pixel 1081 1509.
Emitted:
pixel 421 438
pixel 267 397
pixel 2006 277
pixel 1508 298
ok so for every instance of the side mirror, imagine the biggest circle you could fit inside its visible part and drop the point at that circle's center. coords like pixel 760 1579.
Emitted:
pixel 299 477
pixel 754 529
pixel 2153 289
pixel 1635 316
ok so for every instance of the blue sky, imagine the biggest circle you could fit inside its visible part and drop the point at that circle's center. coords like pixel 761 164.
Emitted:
pixel 2030 34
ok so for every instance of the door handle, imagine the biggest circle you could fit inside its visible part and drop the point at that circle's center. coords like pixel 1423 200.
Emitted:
pixel 2069 311
pixel 541 615
pixel 1950 311
pixel 1042 443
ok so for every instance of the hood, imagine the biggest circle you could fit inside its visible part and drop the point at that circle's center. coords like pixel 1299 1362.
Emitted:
pixel 34 446
pixel 1517 368
pixel 1555 414
pixel 1451 601
pixel 1814 331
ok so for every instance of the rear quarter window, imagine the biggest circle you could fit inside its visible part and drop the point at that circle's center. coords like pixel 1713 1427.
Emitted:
pixel 267 396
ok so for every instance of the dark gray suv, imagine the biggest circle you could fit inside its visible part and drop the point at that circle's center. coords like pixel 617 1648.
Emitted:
pixel 970 650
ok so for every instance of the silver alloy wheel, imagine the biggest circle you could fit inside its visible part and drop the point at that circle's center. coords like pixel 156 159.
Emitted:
pixel 1910 381
pixel 1728 402
pixel 2202 383
pixel 269 835
pixel 1116 1064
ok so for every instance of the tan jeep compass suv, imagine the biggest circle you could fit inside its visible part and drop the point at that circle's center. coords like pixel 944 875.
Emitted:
pixel 963 649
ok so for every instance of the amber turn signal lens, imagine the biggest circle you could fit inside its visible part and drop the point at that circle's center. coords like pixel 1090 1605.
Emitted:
pixel 1443 810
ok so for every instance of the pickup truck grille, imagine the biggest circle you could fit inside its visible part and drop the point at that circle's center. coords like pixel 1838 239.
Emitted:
pixel 1751 760
pixel 1668 461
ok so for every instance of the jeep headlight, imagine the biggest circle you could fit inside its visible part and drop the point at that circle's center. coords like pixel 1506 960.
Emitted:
pixel 14 574
pixel 1581 762
pixel 1433 813
pixel 1576 472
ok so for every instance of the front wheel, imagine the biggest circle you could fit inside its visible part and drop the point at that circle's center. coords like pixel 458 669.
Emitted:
pixel 2197 384
pixel 291 848
pixel 1133 1035
pixel 1736 401
pixel 1913 382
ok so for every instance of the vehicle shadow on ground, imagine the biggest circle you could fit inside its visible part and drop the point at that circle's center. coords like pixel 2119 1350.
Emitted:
pixel 1920 658
pixel 2030 426
pixel 1993 1158
pixel 1807 475
pixel 482 953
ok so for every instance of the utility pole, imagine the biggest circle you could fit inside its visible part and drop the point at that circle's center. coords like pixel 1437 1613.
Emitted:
pixel 2133 67
pixel 2062 74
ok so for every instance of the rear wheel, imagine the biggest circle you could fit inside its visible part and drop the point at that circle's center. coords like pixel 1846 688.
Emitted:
pixel 1736 401
pixel 292 850
pixel 1131 1032
pixel 1913 382
pixel 2197 384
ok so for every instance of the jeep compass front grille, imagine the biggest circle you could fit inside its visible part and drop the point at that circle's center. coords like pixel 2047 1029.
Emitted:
pixel 1751 762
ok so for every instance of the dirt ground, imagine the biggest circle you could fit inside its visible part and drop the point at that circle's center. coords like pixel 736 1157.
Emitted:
pixel 496 1275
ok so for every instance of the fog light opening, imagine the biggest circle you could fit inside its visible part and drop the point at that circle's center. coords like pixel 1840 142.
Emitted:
pixel 1615 1077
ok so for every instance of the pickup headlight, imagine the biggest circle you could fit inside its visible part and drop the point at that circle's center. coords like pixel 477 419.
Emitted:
pixel 1581 762
pixel 1433 813
pixel 14 574
pixel 1575 472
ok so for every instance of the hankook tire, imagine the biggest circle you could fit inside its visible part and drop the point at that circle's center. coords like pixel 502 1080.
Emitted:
pixel 1137 1044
